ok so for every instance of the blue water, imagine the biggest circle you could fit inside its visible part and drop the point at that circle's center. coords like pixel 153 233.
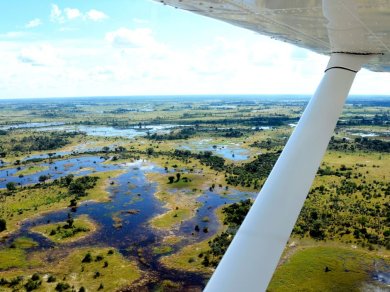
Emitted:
pixel 57 169
pixel 130 191
pixel 228 151
pixel 106 131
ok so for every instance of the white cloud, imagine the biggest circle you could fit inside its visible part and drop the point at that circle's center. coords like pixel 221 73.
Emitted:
pixel 42 55
pixel 72 13
pixel 96 15
pixel 34 23
pixel 128 38
pixel 69 14
pixel 13 34
pixel 137 63
pixel 56 14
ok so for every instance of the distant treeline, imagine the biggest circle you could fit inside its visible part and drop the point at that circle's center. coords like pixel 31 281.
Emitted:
pixel 174 135
pixel 360 143
pixel 277 120
pixel 39 142
pixel 377 120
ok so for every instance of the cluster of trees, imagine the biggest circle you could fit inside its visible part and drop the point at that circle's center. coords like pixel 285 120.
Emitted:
pixel 343 171
pixel 269 144
pixel 68 229
pixel 377 120
pixel 234 215
pixel 350 210
pixel 249 174
pixel 271 120
pixel 372 144
pixel 174 135
pixel 360 143
pixel 77 186
pixel 36 142
pixel 207 158
pixel 232 133
pixel 34 282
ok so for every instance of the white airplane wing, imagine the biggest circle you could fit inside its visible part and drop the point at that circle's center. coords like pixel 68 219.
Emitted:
pixel 302 22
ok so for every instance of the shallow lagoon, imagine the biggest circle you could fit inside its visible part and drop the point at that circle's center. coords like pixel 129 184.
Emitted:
pixel 106 131
pixel 79 165
pixel 130 191
pixel 32 125
pixel 231 151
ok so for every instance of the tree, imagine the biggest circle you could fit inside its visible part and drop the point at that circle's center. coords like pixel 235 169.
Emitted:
pixel 43 178
pixel 178 176
pixel 87 258
pixel 70 221
pixel 62 287
pixel 3 224
pixel 11 186
pixel 150 151
pixel 171 179
pixel 120 149
pixel 73 203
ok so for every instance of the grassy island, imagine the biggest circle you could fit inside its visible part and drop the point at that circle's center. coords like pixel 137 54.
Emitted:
pixel 31 170
pixel 30 201
pixel 69 231
pixel 92 268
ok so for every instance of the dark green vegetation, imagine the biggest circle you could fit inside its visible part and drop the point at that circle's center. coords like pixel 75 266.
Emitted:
pixel 35 141
pixel 3 224
pixel 249 174
pixel 178 135
pixel 357 144
pixel 234 215
pixel 354 209
pixel 206 158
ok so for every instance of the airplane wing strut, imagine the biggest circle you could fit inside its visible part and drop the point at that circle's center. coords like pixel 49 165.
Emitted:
pixel 252 257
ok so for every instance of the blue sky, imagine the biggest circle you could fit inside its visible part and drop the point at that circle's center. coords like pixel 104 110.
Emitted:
pixel 141 47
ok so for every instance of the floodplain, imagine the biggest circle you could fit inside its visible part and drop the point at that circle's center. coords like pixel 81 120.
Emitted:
pixel 145 194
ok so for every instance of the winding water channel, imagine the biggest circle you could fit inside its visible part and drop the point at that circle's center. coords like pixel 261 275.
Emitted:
pixel 130 191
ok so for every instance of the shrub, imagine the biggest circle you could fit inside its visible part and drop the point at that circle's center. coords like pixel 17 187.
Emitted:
pixel 87 258
pixel 3 224
pixel 62 287
pixel 32 285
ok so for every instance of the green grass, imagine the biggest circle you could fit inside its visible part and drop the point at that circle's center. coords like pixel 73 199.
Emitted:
pixel 31 170
pixel 113 271
pixel 24 242
pixel 188 259
pixel 58 232
pixel 162 249
pixel 12 258
pixel 31 202
pixel 170 218
pixel 305 270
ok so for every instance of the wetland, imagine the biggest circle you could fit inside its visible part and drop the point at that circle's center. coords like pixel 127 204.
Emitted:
pixel 127 194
